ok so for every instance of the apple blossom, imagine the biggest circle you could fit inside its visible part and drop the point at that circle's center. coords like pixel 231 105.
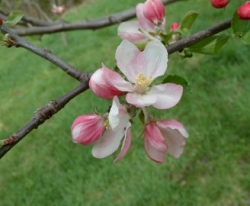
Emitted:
pixel 244 11
pixel 86 129
pixel 141 30
pixel 58 9
pixel 106 132
pixel 140 68
pixel 219 3
pixel 174 26
pixel 154 11
pixel 163 137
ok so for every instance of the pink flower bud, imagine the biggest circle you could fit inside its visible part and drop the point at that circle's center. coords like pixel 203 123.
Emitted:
pixel 86 129
pixel 58 9
pixel 154 11
pixel 244 11
pixel 174 26
pixel 219 3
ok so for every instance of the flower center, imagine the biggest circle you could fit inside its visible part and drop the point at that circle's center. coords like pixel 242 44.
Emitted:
pixel 142 82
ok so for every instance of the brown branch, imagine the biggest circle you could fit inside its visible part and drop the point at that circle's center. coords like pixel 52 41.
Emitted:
pixel 46 54
pixel 41 115
pixel 88 24
pixel 194 38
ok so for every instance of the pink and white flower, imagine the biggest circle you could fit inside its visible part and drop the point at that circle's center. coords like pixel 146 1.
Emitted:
pixel 106 132
pixel 163 137
pixel 154 11
pixel 140 68
pixel 86 129
pixel 145 28
pixel 58 9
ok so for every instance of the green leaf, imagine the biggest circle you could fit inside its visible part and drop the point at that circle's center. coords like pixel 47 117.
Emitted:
pixel 246 38
pixel 188 20
pixel 13 18
pixel 176 79
pixel 210 45
pixel 240 27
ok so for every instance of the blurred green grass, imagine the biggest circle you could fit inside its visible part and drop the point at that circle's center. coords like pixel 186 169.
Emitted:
pixel 46 168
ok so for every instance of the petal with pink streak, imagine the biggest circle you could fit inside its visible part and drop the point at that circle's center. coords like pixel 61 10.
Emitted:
pixel 143 21
pixel 168 95
pixel 154 143
pixel 118 116
pixel 130 31
pixel 107 83
pixel 152 62
pixel 140 100
pixel 126 144
pixel 108 143
pixel 174 133
pixel 86 129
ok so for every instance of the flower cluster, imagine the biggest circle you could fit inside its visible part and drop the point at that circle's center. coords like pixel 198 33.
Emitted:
pixel 134 85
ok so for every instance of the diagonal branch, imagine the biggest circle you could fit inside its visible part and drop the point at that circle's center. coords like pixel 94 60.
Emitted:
pixel 194 38
pixel 88 24
pixel 40 116
pixel 46 54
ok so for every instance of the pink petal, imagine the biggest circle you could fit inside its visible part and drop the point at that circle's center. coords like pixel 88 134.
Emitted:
pixel 107 83
pixel 143 21
pixel 125 145
pixel 130 31
pixel 108 143
pixel 140 100
pixel 173 132
pixel 152 62
pixel 168 95
pixel 154 11
pixel 86 129
pixel 154 143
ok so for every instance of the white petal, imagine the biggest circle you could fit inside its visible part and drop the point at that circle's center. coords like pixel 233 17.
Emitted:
pixel 152 62
pixel 168 95
pixel 140 100
pixel 108 143
pixel 126 143
pixel 130 31
pixel 174 133
pixel 118 116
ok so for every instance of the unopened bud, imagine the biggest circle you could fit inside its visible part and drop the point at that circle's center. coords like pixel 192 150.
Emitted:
pixel 174 26
pixel 154 11
pixel 219 3
pixel 1 21
pixel 244 11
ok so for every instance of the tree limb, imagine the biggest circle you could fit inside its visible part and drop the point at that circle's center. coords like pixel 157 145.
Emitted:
pixel 46 54
pixel 83 25
pixel 40 116
pixel 194 38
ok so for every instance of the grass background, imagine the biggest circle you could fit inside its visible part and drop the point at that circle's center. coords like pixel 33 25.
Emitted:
pixel 46 168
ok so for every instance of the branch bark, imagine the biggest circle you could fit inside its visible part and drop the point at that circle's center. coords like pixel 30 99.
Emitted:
pixel 191 40
pixel 46 54
pixel 40 116
pixel 83 25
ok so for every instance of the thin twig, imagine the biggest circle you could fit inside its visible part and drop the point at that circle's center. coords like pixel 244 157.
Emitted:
pixel 84 25
pixel 46 54
pixel 194 38
pixel 41 115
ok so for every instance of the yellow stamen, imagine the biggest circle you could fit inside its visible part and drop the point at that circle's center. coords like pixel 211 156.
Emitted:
pixel 142 82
